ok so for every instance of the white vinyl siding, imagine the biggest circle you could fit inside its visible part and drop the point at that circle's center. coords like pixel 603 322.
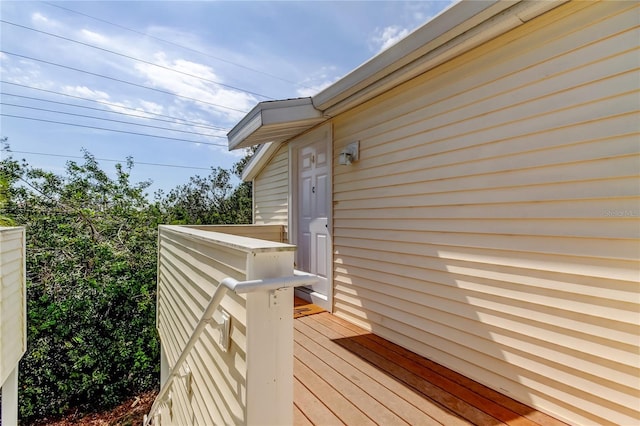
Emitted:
pixel 249 379
pixel 13 331
pixel 491 223
pixel 270 189
pixel 189 271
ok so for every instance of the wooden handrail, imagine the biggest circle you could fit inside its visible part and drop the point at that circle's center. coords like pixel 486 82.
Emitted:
pixel 238 287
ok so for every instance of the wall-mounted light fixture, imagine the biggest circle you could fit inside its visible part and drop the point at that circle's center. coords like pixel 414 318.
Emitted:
pixel 349 154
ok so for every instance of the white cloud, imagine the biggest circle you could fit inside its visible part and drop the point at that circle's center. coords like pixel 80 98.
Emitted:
pixel 40 20
pixel 388 36
pixel 38 17
pixel 237 102
pixel 152 107
pixel 419 12
pixel 22 72
pixel 318 81
pixel 93 37
pixel 85 92
pixel 185 66
pixel 313 90
pixel 126 108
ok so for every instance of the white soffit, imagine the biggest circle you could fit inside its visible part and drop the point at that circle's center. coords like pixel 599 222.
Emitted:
pixel 274 121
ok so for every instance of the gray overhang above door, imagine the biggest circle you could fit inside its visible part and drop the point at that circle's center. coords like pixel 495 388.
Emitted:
pixel 274 121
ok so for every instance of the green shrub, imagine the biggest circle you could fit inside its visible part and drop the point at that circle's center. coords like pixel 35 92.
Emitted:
pixel 91 276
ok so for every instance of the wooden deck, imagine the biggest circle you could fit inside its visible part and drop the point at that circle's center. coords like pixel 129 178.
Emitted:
pixel 345 375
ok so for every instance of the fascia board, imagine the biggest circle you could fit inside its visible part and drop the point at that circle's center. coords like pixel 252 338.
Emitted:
pixel 290 113
pixel 245 128
pixel 457 29
pixel 490 23
pixel 273 115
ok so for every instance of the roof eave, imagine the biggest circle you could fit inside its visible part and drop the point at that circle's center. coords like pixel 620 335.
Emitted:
pixel 274 121
pixel 455 30
pixel 455 19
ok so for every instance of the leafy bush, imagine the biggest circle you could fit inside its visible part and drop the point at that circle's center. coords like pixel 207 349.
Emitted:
pixel 90 286
pixel 91 277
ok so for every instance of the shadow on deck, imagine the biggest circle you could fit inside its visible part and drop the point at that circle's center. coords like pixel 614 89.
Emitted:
pixel 345 375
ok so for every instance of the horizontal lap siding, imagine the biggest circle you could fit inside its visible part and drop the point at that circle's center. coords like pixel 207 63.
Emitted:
pixel 271 189
pixel 189 271
pixel 491 223
pixel 12 300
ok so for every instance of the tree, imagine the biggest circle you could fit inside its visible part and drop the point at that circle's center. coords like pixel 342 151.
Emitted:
pixel 200 201
pixel 4 199
pixel 91 276
pixel 90 285
pixel 4 189
pixel 210 200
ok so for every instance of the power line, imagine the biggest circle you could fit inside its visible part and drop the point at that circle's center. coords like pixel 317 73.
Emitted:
pixel 113 121
pixel 192 123
pixel 179 45
pixel 121 81
pixel 111 130
pixel 136 59
pixel 109 112
pixel 46 154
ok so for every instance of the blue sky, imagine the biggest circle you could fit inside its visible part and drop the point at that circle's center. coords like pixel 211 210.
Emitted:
pixel 229 56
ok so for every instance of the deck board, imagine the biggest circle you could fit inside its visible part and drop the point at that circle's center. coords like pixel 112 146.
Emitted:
pixel 409 401
pixel 394 395
pixel 344 404
pixel 347 385
pixel 299 419
pixel 516 407
pixel 361 378
pixel 314 410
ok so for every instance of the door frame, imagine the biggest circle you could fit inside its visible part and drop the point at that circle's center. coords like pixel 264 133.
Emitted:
pixel 294 146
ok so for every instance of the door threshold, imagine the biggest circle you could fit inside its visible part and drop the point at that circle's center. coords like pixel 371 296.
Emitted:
pixel 311 296
pixel 314 297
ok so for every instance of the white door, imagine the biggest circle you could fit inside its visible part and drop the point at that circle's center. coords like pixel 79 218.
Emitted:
pixel 313 194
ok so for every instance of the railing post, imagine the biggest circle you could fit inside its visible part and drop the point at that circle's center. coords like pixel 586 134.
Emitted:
pixel 270 342
pixel 13 317
pixel 250 380
pixel 10 398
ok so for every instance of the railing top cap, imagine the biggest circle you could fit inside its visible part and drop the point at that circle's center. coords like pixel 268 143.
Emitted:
pixel 246 244
pixel 11 228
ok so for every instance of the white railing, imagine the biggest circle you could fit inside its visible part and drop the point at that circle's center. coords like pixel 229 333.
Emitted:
pixel 275 233
pixel 225 320
pixel 13 317
pixel 238 287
